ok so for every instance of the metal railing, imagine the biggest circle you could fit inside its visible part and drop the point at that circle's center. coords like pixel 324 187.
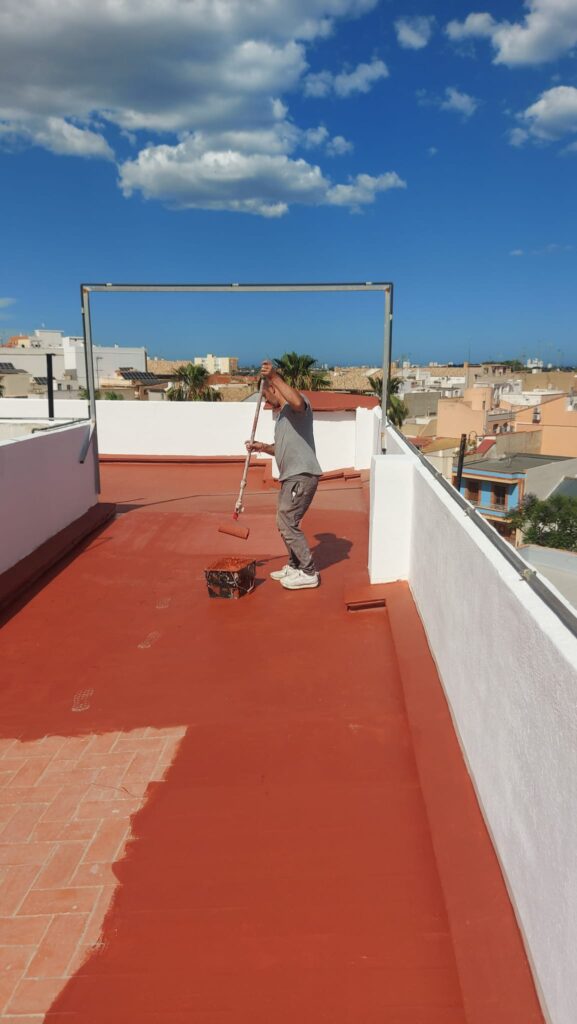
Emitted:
pixel 538 585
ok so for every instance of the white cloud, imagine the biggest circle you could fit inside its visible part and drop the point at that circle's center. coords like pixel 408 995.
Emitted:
pixel 459 102
pixel 318 85
pixel 199 172
pixel 518 136
pixel 5 303
pixel 554 115
pixel 360 80
pixel 338 145
pixel 548 31
pixel 546 250
pixel 432 150
pixel 363 189
pixel 207 80
pixel 481 26
pixel 414 33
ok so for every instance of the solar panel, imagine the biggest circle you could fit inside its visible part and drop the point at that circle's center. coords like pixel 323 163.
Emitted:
pixel 40 380
pixel 7 368
pixel 138 375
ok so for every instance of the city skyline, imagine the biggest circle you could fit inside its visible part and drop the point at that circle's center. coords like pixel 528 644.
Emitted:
pixel 329 141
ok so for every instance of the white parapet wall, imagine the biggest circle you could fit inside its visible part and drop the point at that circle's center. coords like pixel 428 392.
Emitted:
pixel 204 429
pixel 509 669
pixel 43 488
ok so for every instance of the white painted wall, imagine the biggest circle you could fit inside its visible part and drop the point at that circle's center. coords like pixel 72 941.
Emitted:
pixel 509 670
pixel 391 510
pixel 43 488
pixel 205 428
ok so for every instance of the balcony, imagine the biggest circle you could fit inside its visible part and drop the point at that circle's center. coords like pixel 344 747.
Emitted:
pixel 278 809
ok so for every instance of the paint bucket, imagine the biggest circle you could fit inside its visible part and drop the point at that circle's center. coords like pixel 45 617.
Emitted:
pixel 230 577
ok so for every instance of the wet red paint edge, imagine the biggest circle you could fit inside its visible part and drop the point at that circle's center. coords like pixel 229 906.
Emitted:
pixel 17 579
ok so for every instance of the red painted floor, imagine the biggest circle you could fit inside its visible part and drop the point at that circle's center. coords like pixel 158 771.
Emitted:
pixel 285 870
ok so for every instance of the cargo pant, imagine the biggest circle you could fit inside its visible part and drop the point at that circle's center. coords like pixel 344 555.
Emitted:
pixel 296 494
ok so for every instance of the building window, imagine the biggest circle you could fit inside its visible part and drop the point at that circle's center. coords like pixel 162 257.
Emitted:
pixel 499 496
pixel 472 491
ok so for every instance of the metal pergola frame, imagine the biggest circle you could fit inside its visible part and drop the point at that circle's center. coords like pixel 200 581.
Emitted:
pixel 348 286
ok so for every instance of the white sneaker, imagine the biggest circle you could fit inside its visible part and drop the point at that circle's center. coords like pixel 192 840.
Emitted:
pixel 299 580
pixel 281 574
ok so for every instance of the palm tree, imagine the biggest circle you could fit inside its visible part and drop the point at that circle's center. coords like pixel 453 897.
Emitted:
pixel 397 411
pixel 191 386
pixel 299 371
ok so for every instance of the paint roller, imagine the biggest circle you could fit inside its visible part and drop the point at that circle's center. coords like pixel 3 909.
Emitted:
pixel 242 532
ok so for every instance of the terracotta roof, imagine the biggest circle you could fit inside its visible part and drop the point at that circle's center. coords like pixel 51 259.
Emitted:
pixel 485 446
pixel 440 444
pixel 335 401
pixel 418 442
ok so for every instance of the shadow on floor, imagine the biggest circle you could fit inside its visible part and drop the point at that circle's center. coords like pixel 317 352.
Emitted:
pixel 330 550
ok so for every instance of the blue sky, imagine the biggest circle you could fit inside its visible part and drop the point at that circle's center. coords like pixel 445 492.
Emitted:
pixel 299 140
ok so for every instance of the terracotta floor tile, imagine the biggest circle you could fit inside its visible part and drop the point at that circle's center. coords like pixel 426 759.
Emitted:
pixel 17 795
pixel 15 883
pixel 58 946
pixel 21 824
pixel 101 744
pixel 25 853
pixel 22 931
pixel 93 933
pixel 109 809
pixel 33 996
pixel 63 807
pixel 107 842
pixel 109 760
pixel 59 901
pixel 61 866
pixel 13 962
pixel 70 831
pixel 30 772
pixel 74 747
pixel 94 874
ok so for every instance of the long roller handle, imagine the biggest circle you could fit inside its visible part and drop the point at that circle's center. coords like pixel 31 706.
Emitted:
pixel 238 506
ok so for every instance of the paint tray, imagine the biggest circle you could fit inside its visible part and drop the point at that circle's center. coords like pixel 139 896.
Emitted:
pixel 230 577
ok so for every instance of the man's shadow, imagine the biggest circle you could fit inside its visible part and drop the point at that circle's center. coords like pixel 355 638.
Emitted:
pixel 330 550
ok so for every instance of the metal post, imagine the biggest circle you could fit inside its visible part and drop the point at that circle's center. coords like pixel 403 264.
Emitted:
pixel 460 461
pixel 387 359
pixel 88 359
pixel 50 386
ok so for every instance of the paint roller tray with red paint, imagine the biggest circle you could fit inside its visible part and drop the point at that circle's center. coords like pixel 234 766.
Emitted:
pixel 231 577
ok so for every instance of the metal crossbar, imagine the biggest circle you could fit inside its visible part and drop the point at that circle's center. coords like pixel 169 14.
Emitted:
pixel 386 287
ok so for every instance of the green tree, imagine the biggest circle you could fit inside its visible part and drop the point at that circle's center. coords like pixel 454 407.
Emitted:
pixel 300 372
pixel 191 385
pixel 83 393
pixel 552 523
pixel 397 411
pixel 113 396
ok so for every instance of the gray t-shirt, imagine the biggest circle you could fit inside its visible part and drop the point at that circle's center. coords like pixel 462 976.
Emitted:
pixel 294 443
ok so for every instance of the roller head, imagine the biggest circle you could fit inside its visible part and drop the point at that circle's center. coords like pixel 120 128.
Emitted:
pixel 241 532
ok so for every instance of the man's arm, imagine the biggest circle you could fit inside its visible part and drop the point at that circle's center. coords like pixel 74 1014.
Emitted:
pixel 290 395
pixel 260 446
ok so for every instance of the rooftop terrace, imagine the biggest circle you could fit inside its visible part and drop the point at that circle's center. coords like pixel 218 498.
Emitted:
pixel 276 809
